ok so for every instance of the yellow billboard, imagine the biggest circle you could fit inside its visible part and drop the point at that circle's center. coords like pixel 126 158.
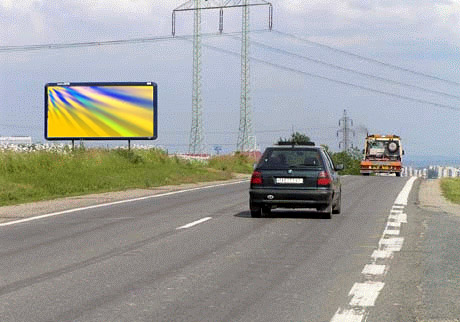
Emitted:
pixel 100 111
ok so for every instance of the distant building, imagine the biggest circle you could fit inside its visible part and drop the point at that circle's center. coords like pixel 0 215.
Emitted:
pixel 6 140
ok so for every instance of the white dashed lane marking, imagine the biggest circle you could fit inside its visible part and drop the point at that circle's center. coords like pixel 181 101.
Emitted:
pixel 202 220
pixel 373 269
pixel 381 254
pixel 365 294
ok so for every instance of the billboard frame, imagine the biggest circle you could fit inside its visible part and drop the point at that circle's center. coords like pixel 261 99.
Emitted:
pixel 66 84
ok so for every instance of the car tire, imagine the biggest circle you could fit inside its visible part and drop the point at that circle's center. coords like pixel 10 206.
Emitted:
pixel 338 206
pixel 398 174
pixel 266 210
pixel 256 211
pixel 326 213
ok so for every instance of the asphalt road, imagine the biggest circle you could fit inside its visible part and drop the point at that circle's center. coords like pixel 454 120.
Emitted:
pixel 130 262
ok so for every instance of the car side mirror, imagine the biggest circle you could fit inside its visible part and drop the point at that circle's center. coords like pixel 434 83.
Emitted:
pixel 339 167
pixel 364 151
pixel 403 152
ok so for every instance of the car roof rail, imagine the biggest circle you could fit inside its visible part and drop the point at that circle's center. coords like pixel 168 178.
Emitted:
pixel 297 143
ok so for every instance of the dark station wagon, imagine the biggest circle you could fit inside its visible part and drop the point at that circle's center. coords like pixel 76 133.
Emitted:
pixel 295 176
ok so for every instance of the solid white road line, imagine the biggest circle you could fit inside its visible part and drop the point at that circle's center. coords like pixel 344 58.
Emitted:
pixel 115 203
pixel 404 194
pixel 197 222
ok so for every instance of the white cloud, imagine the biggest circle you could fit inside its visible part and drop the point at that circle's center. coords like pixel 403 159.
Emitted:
pixel 449 14
pixel 38 21
pixel 89 6
pixel 376 19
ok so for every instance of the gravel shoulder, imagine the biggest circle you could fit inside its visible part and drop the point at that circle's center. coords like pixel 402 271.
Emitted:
pixel 430 198
pixel 10 213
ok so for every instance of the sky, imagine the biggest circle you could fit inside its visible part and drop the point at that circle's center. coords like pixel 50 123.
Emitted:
pixel 296 84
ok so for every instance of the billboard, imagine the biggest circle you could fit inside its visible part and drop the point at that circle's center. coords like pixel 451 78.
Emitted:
pixel 101 111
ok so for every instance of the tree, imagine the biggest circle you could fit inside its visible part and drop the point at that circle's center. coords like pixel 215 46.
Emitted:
pixel 351 162
pixel 296 138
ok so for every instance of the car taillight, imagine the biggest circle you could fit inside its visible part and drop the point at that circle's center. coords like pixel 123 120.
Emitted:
pixel 323 179
pixel 256 178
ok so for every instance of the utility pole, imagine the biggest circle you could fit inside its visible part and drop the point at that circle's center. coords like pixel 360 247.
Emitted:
pixel 346 129
pixel 246 137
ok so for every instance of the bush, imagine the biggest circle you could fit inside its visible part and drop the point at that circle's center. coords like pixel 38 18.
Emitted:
pixel 130 155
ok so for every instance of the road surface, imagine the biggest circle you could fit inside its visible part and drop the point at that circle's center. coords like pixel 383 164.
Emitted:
pixel 199 256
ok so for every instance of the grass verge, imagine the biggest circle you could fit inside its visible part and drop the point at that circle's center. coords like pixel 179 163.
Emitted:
pixel 451 189
pixel 43 175
pixel 238 163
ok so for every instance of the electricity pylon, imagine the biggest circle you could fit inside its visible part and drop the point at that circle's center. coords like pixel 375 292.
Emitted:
pixel 346 129
pixel 245 132
pixel 246 137
pixel 196 141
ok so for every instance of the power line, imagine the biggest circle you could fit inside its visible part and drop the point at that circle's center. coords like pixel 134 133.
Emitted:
pixel 407 98
pixel 83 44
pixel 372 60
pixel 108 42
pixel 206 132
pixel 141 40
pixel 317 61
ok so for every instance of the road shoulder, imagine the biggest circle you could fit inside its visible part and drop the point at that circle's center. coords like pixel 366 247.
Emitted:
pixel 11 213
pixel 440 286
pixel 430 198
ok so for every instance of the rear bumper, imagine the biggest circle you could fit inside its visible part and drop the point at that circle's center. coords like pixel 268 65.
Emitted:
pixel 366 171
pixel 379 167
pixel 291 198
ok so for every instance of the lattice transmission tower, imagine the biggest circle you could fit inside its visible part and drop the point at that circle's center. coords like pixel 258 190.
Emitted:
pixel 246 138
pixel 196 141
pixel 346 129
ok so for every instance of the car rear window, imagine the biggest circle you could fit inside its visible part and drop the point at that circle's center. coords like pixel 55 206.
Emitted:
pixel 290 158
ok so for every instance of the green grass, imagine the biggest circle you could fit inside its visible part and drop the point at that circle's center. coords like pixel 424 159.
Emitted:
pixel 34 176
pixel 239 163
pixel 451 189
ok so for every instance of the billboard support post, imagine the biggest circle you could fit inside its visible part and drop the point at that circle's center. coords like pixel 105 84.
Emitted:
pixel 73 145
pixel 129 145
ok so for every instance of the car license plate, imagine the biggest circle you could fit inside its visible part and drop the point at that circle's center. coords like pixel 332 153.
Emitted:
pixel 289 180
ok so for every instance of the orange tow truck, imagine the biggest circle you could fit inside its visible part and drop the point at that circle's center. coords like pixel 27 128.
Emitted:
pixel 382 154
